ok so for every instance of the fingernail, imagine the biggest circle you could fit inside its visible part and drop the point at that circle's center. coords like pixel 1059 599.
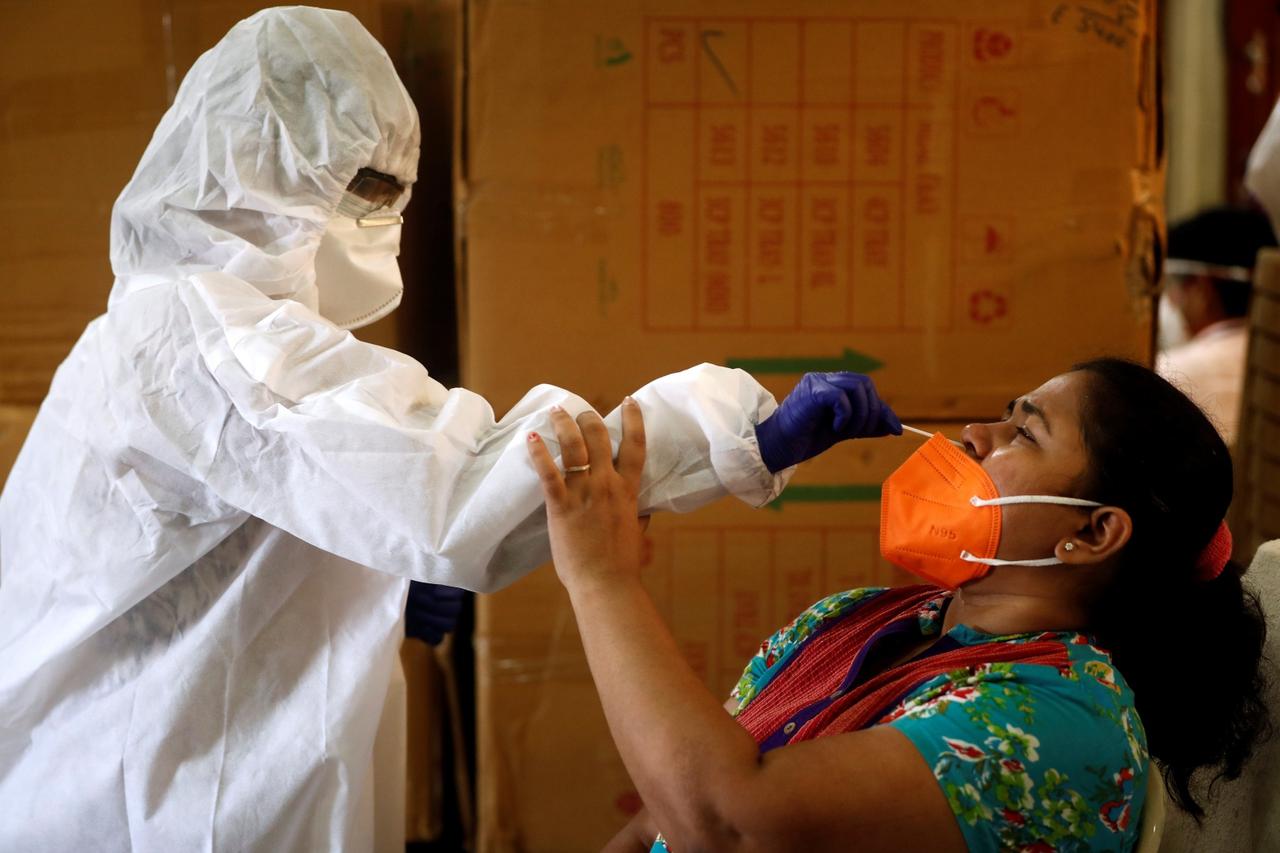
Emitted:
pixel 557 409
pixel 534 438
pixel 628 400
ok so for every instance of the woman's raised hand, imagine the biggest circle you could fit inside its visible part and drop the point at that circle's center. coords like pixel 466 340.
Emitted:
pixel 591 506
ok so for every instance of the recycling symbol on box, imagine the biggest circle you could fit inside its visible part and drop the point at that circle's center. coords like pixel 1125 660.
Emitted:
pixel 986 306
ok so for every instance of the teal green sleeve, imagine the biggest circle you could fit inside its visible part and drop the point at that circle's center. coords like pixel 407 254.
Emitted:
pixel 1030 758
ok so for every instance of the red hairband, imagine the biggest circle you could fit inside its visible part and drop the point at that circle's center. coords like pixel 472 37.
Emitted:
pixel 1215 555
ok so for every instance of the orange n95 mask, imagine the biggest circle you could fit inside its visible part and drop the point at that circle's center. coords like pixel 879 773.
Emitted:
pixel 940 516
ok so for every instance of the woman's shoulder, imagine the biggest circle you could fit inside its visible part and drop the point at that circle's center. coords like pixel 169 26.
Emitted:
pixel 821 612
pixel 775 651
pixel 1082 689
pixel 1018 747
pixel 1091 666
pixel 1086 675
pixel 834 605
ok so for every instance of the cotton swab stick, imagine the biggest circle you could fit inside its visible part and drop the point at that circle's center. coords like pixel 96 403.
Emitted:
pixel 927 434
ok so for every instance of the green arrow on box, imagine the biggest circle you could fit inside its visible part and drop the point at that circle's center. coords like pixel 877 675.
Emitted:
pixel 851 360
pixel 847 493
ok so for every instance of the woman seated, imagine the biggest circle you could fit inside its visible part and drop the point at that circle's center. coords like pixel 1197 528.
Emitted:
pixel 1081 615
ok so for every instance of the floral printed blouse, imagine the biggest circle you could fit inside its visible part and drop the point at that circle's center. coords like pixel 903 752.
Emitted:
pixel 1031 758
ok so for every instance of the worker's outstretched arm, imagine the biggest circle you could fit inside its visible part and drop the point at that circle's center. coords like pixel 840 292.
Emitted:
pixel 355 449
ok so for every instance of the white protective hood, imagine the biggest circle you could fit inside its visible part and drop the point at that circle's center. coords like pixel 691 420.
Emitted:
pixel 248 166
pixel 206 540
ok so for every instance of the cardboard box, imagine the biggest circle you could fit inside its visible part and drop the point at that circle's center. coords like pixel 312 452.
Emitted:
pixel 425 719
pixel 724 578
pixel 1255 511
pixel 960 197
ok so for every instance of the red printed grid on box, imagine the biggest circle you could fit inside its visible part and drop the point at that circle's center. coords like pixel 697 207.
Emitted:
pixel 801 173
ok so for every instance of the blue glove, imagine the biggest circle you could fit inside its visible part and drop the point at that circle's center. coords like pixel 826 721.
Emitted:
pixel 431 611
pixel 823 409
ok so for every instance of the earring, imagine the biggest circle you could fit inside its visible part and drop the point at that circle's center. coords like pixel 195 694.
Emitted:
pixel 1070 546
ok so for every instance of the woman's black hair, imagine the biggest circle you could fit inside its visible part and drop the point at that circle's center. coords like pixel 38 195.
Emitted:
pixel 1190 649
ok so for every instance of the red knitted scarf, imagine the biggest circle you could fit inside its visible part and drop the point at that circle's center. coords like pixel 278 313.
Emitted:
pixel 819 667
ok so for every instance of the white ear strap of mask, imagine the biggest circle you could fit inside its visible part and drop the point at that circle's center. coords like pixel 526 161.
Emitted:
pixel 992 561
pixel 1033 499
pixel 1023 499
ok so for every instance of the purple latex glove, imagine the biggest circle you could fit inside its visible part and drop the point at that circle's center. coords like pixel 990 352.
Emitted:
pixel 823 409
pixel 431 611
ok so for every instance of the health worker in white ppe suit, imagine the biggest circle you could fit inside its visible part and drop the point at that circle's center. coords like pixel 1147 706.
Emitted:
pixel 206 541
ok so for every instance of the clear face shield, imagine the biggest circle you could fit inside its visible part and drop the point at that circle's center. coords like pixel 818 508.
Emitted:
pixel 1171 325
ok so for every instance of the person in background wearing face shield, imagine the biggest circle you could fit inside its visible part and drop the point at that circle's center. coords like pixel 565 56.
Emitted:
pixel 207 540
pixel 1204 328
pixel 1080 617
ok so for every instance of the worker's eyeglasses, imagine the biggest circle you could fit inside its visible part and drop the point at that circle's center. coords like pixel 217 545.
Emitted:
pixel 369 198
pixel 380 190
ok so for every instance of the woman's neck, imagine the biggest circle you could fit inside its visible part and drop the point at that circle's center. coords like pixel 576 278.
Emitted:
pixel 1003 612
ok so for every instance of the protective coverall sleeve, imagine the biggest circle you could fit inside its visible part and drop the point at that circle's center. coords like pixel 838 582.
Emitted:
pixel 355 449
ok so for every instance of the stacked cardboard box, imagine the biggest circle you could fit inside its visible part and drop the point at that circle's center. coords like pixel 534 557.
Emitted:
pixel 959 198
pixel 1255 512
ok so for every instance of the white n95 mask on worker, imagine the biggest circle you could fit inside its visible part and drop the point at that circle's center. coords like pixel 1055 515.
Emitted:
pixel 357 275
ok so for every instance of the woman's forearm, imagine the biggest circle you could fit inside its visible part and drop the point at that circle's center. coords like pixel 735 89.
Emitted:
pixel 682 751
pixel 686 757
pixel 700 774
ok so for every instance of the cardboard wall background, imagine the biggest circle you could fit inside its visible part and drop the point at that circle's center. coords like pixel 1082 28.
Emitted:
pixel 1255 512
pixel 962 199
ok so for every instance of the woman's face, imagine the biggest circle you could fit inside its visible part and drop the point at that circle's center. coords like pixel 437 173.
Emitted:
pixel 1036 449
